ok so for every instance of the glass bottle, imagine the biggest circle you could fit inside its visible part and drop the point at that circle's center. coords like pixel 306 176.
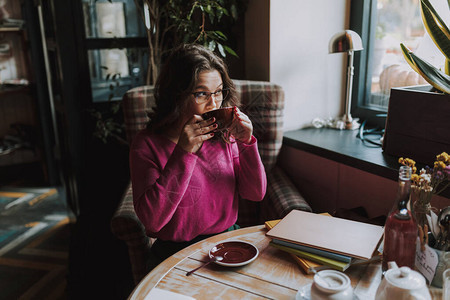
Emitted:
pixel 400 231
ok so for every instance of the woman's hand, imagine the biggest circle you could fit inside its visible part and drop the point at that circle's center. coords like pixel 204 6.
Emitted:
pixel 241 127
pixel 195 132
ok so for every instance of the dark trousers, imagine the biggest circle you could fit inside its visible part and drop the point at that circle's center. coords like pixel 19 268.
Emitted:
pixel 162 250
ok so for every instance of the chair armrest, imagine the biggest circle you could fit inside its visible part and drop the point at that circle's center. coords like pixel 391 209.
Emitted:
pixel 281 196
pixel 126 226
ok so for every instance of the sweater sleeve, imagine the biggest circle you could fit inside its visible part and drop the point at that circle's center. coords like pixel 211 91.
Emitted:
pixel 251 176
pixel 157 191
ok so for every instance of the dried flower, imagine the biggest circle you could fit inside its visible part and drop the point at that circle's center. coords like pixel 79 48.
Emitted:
pixel 429 179
pixel 408 162
pixel 428 182
pixel 444 157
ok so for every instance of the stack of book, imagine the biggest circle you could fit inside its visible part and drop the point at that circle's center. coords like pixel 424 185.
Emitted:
pixel 318 242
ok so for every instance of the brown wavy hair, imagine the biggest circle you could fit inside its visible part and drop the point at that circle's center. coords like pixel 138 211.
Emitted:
pixel 177 80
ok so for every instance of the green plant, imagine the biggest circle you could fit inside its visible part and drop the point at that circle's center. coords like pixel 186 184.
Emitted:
pixel 171 22
pixel 440 34
pixel 106 124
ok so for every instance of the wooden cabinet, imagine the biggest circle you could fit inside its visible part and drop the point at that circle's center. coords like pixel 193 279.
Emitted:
pixel 329 185
pixel 19 118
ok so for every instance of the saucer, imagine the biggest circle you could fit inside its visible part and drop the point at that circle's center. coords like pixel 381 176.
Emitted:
pixel 234 253
pixel 304 293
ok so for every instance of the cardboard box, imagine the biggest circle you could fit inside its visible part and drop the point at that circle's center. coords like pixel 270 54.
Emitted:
pixel 417 124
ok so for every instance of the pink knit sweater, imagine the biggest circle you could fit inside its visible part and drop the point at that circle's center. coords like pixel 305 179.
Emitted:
pixel 179 195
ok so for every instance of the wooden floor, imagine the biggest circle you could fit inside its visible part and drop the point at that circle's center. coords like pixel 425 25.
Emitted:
pixel 34 248
pixel 37 269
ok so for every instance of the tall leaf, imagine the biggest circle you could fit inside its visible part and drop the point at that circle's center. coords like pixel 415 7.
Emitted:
pixel 436 27
pixel 431 74
pixel 447 65
pixel 406 54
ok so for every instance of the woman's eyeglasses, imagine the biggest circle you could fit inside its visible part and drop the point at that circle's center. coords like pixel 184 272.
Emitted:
pixel 203 97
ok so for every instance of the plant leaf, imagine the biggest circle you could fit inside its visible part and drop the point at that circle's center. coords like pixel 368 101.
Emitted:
pixel 447 64
pixel 212 45
pixel 220 13
pixel 221 50
pixel 231 51
pixel 431 74
pixel 191 11
pixel 220 34
pixel 234 12
pixel 435 14
pixel 406 54
pixel 437 29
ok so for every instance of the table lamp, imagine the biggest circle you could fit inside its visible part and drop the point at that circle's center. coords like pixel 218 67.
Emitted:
pixel 346 41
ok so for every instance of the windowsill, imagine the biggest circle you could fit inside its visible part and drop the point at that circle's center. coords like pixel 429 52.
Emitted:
pixel 344 147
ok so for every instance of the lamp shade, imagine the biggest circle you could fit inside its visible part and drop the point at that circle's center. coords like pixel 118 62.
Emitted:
pixel 344 41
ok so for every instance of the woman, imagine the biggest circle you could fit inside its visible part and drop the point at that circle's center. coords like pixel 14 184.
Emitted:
pixel 186 179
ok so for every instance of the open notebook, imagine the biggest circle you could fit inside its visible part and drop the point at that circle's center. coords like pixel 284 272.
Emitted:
pixel 355 239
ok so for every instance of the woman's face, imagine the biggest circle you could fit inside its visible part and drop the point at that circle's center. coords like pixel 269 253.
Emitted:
pixel 210 82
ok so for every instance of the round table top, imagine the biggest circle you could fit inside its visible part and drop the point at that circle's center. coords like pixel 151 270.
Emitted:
pixel 273 274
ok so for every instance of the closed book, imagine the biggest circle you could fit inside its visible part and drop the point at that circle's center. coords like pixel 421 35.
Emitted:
pixel 350 238
pixel 308 266
pixel 335 264
pixel 312 250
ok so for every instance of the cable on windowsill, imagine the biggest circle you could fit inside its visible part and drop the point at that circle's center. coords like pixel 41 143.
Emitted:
pixel 370 142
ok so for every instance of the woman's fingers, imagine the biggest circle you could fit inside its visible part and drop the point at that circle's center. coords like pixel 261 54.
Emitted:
pixel 241 116
pixel 242 127
pixel 195 132
pixel 206 126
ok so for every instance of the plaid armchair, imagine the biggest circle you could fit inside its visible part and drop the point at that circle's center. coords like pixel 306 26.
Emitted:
pixel 263 102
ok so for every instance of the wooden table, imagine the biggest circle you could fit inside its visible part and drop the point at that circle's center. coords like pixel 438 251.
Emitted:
pixel 273 275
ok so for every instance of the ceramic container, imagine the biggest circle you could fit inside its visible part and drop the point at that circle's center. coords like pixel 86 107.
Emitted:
pixel 401 284
pixel 331 285
pixel 224 117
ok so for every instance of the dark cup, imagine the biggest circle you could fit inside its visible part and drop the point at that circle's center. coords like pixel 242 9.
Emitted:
pixel 224 117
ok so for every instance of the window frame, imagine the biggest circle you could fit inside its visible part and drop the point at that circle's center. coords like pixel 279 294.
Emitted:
pixel 363 16
pixel 107 43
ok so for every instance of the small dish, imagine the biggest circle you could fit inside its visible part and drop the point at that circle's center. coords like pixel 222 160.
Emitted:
pixel 304 293
pixel 234 253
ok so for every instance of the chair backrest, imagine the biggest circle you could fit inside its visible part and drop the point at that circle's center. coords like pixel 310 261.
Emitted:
pixel 262 101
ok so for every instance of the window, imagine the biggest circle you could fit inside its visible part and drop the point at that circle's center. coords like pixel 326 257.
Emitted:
pixel 117 47
pixel 383 25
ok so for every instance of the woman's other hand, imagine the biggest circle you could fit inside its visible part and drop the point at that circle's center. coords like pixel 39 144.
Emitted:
pixel 195 132
pixel 241 128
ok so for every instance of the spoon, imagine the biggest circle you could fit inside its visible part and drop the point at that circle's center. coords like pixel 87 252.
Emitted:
pixel 213 259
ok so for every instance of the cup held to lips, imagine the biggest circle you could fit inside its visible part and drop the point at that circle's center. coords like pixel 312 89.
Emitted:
pixel 224 117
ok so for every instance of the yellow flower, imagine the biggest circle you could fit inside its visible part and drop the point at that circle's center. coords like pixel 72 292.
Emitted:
pixel 408 162
pixel 444 157
pixel 440 165
pixel 415 178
